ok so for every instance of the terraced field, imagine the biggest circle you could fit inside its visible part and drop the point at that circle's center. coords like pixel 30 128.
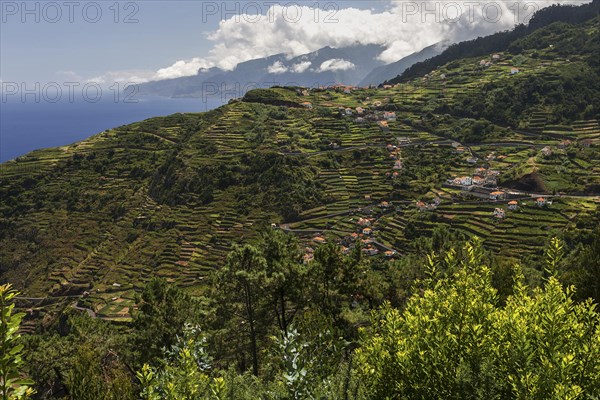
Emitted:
pixel 168 196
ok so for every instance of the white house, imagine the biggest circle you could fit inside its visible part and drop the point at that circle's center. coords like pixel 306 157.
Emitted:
pixel 499 213
pixel 547 151
pixel 463 181
pixel 498 195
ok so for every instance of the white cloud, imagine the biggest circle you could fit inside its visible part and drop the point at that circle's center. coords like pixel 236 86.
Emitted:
pixel 336 64
pixel 301 67
pixel 125 77
pixel 182 68
pixel 404 27
pixel 277 68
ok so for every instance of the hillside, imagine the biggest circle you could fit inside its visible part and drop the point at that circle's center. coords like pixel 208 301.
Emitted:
pixel 501 41
pixel 168 196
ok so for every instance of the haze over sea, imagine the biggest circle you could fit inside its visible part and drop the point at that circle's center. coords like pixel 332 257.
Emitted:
pixel 27 126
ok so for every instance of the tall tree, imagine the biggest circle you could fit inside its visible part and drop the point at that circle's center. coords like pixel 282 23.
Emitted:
pixel 286 273
pixel 240 294
pixel 163 310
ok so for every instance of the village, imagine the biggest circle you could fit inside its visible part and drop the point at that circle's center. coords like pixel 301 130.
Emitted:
pixel 480 186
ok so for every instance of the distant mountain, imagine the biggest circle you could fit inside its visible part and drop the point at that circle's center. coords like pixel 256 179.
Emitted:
pixel 385 72
pixel 325 66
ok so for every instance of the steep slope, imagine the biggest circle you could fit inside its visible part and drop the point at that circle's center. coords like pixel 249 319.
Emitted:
pixel 500 41
pixel 385 72
pixel 168 196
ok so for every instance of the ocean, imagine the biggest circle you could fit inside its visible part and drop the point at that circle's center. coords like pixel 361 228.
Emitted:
pixel 27 126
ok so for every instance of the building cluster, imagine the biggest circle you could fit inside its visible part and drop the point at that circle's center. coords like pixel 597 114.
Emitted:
pixel 364 233
pixel 423 206
pixel 480 177
pixel 548 151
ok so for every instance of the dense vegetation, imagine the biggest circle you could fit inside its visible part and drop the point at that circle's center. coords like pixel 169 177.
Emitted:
pixel 274 328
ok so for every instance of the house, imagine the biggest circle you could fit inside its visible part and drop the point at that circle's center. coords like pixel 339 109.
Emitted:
pixel 390 253
pixel 499 213
pixel 348 111
pixel 389 115
pixel 478 180
pixel 390 147
pixel 377 103
pixel 364 222
pixel 455 144
pixel 306 104
pixel 421 206
pixel 354 235
pixel 513 205
pixel 443 76
pixel 403 140
pixel 547 151
pixel 385 204
pixel 371 251
pixel 482 63
pixel 564 144
pixel 395 175
pixel 491 180
pixel 472 160
pixel 383 125
pixel 463 181
pixel 498 195
pixel 387 86
pixel 514 71
pixel 360 110
pixel 319 239
pixel 541 201
pixel 398 164
pixel 586 143
pixel 345 250
pixel 496 57
pixel 359 120
pixel 460 149
pixel 480 171
pixel 367 231
pixel 437 201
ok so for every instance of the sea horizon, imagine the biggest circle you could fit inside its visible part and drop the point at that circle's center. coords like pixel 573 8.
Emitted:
pixel 28 125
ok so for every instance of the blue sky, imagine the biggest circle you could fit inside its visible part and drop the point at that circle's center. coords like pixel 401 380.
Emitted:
pixel 166 31
pixel 174 38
